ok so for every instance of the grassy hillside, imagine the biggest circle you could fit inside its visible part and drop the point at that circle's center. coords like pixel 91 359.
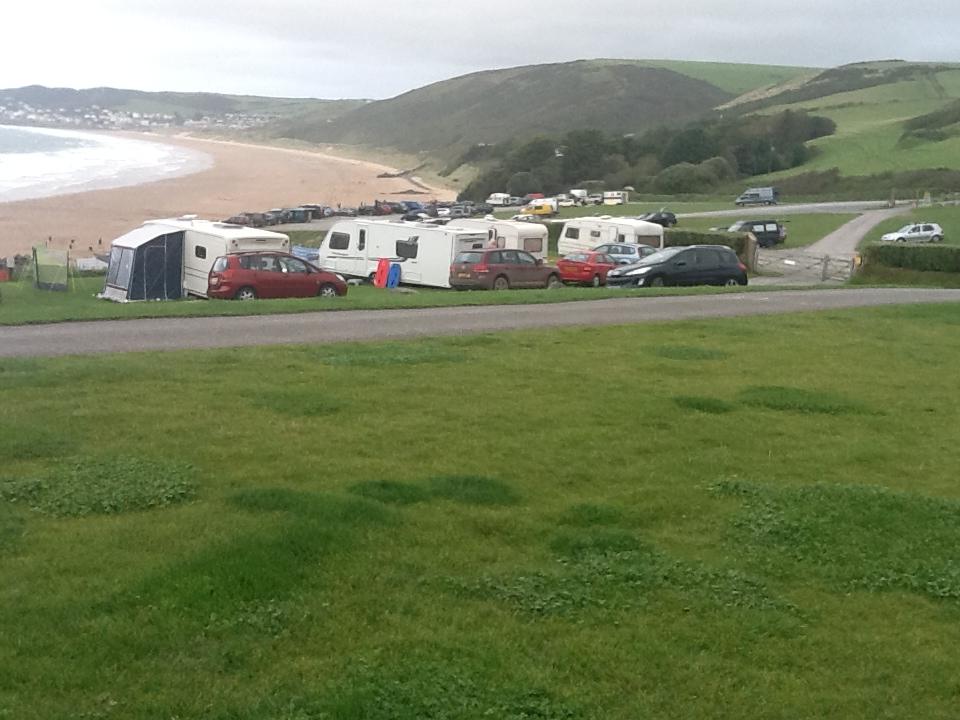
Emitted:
pixel 735 78
pixel 770 530
pixel 186 104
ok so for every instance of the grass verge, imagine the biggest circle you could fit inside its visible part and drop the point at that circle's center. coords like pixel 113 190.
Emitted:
pixel 766 517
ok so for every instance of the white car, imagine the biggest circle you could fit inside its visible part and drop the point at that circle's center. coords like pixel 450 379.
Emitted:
pixel 918 232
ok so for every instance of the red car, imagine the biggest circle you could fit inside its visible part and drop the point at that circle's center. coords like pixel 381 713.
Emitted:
pixel 251 275
pixel 586 268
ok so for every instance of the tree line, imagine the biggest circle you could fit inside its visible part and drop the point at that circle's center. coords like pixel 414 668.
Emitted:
pixel 691 159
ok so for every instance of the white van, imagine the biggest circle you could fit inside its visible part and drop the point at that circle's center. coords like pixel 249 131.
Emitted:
pixel 425 252
pixel 615 197
pixel 512 235
pixel 586 233
pixel 499 199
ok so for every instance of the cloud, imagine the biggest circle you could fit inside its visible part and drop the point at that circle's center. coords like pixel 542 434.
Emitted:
pixel 372 48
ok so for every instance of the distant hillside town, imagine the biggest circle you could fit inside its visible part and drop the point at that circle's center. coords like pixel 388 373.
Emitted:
pixel 94 117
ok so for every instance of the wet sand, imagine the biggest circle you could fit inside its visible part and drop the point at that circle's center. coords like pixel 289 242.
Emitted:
pixel 243 178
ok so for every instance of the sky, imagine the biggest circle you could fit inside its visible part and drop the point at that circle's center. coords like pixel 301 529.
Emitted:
pixel 378 49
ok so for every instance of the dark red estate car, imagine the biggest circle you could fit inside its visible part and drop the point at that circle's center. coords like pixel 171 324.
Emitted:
pixel 501 270
pixel 586 268
pixel 247 276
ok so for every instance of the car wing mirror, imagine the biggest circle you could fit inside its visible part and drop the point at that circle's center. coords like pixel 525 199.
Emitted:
pixel 680 263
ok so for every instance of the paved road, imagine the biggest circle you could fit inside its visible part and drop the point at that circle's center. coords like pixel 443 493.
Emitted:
pixel 843 241
pixel 855 206
pixel 87 338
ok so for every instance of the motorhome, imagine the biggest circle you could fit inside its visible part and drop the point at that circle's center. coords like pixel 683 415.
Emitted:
pixel 511 235
pixel 169 259
pixel 586 233
pixel 615 197
pixel 423 251
pixel 498 199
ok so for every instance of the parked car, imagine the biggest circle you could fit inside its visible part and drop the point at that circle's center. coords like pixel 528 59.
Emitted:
pixel 586 268
pixel 688 265
pixel 501 270
pixel 660 217
pixel 625 253
pixel 767 232
pixel 251 275
pixel 917 232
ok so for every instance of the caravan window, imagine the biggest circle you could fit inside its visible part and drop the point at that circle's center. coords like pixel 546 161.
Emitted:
pixel 339 241
pixel 572 233
pixel 407 249
pixel 501 241
pixel 363 240
pixel 200 251
pixel 533 244
pixel 594 233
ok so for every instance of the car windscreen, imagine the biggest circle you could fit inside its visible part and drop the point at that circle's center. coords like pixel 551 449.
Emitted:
pixel 660 256
pixel 577 257
pixel 469 258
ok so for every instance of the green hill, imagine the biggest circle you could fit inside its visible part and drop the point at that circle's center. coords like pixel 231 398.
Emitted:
pixel 617 96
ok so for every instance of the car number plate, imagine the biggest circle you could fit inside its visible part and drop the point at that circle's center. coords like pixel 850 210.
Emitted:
pixel 463 275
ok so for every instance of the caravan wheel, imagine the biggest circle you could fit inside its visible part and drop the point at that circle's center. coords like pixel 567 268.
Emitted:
pixel 246 293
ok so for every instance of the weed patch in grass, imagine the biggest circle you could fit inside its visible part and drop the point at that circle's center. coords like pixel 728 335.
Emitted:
pixel 689 352
pixel 799 400
pixel 699 403
pixel 392 354
pixel 302 401
pixel 851 536
pixel 102 486
pixel 390 492
pixel 602 541
pixel 589 515
pixel 473 490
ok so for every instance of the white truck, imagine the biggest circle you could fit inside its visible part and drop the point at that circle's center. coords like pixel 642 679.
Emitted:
pixel 425 252
pixel 501 199
pixel 586 233
pixel 511 235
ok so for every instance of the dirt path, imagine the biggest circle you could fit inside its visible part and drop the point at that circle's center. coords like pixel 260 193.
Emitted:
pixel 88 338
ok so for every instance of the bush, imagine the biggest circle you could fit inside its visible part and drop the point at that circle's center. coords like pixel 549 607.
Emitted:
pixel 674 238
pixel 935 258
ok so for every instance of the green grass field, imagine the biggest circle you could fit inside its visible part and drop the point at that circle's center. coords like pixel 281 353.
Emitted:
pixel 763 525
pixel 734 78
pixel 947 216
pixel 21 304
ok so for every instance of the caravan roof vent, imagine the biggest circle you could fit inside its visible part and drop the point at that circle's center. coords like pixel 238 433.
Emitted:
pixel 491 218
pixel 188 218
pixel 606 217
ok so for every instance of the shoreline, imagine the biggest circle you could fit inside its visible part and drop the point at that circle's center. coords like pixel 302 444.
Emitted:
pixel 242 177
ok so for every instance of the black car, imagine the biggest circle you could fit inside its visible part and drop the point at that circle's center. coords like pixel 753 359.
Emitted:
pixel 664 218
pixel 688 265
pixel 767 232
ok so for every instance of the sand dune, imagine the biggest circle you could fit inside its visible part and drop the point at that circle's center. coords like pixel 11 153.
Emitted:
pixel 244 177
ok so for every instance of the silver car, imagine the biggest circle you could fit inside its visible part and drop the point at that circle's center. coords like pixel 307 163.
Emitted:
pixel 625 253
pixel 917 232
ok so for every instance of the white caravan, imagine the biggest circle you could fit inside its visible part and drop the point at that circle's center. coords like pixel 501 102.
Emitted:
pixel 424 252
pixel 586 233
pixel 498 199
pixel 615 197
pixel 512 235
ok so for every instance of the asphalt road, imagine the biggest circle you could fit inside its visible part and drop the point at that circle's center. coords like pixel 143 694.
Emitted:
pixel 88 338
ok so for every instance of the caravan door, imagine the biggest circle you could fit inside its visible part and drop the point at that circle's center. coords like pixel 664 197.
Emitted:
pixel 344 253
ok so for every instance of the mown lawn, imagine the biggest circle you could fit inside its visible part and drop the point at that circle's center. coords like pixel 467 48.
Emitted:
pixel 802 230
pixel 21 304
pixel 752 518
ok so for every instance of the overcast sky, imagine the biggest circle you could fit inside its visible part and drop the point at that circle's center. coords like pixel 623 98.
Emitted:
pixel 376 48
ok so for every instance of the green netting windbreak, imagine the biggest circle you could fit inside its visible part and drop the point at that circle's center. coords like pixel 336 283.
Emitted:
pixel 50 269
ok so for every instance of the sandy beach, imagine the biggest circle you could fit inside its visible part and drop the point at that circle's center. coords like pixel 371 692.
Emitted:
pixel 243 178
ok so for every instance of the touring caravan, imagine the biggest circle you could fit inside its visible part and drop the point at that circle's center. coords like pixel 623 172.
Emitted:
pixel 169 259
pixel 512 235
pixel 424 252
pixel 615 197
pixel 586 233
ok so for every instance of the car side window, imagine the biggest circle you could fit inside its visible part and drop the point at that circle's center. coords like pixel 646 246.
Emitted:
pixel 708 259
pixel 604 259
pixel 495 258
pixel 928 228
pixel 510 257
pixel 526 258
pixel 293 265
pixel 249 262
pixel 685 259
pixel 268 263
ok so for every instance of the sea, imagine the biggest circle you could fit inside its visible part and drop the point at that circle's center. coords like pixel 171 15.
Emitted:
pixel 42 162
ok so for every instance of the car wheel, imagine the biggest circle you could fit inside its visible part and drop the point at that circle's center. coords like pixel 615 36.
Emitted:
pixel 246 293
pixel 936 238
pixel 553 282
pixel 327 290
pixel 657 281
pixel 731 282
pixel 501 283
pixel 596 281
pixel 900 239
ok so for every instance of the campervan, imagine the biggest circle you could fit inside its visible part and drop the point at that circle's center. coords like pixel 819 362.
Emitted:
pixel 586 233
pixel 498 199
pixel 424 252
pixel 167 259
pixel 615 197
pixel 511 235
pixel 758 196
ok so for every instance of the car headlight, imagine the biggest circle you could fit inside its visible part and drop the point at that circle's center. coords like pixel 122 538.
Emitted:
pixel 615 272
pixel 640 271
pixel 340 277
